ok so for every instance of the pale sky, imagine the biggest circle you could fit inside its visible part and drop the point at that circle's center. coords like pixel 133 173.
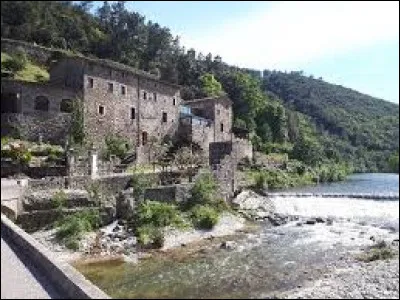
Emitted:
pixel 355 44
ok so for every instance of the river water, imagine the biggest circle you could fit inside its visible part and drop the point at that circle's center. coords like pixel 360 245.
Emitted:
pixel 273 259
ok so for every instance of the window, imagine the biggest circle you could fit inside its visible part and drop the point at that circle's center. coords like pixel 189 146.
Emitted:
pixel 101 110
pixel 110 87
pixel 133 113
pixel 66 105
pixel 91 82
pixel 9 103
pixel 110 73
pixel 218 112
pixel 41 103
pixel 155 96
pixel 144 138
pixel 222 127
pixel 164 117
pixel 174 101
pixel 144 95
pixel 123 90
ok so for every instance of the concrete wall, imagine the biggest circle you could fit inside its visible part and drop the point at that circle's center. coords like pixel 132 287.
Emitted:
pixel 69 281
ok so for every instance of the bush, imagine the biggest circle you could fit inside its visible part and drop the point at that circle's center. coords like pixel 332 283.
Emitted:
pixel 19 154
pixel 158 214
pixel 204 216
pixel 71 228
pixel 59 199
pixel 204 190
pixel 149 235
pixel 117 146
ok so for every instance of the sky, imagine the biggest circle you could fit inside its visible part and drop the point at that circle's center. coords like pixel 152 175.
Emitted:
pixel 354 44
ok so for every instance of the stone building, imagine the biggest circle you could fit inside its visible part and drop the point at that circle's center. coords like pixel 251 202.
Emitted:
pixel 117 100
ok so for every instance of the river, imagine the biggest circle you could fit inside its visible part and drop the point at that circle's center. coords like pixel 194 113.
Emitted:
pixel 273 259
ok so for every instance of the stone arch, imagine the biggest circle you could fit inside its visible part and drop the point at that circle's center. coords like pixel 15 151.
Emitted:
pixel 42 103
pixel 66 105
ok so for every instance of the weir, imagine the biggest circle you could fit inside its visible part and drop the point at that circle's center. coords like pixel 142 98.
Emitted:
pixel 375 196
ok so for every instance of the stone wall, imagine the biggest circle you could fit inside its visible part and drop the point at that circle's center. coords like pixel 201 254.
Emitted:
pixel 170 193
pixel 53 128
pixel 38 53
pixel 243 148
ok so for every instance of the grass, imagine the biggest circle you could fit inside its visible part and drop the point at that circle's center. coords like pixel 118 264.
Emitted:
pixel 31 72
pixel 379 251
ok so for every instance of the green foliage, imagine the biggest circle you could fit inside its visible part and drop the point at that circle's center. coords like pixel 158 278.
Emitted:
pixel 70 229
pixel 343 125
pixel 77 133
pixel 59 199
pixel 394 163
pixel 116 145
pixel 158 214
pixel 210 86
pixel 204 216
pixel 204 191
pixel 140 182
pixel 379 251
pixel 150 219
pixel 19 154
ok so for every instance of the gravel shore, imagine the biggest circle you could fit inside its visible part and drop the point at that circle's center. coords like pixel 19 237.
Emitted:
pixel 354 280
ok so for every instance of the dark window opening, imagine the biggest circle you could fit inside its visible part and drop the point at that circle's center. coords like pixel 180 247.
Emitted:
pixel 123 90
pixel 222 127
pixel 41 103
pixel 218 112
pixel 174 101
pixel 144 138
pixel 145 95
pixel 133 113
pixel 101 110
pixel 155 96
pixel 91 82
pixel 66 105
pixel 110 87
pixel 9 103
pixel 164 117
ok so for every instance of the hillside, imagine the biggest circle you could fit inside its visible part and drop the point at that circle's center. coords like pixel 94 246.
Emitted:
pixel 310 120
pixel 358 125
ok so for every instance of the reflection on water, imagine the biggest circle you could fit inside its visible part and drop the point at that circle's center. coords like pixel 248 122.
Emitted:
pixel 373 183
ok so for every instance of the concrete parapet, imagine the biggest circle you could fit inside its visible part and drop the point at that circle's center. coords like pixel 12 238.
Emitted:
pixel 68 280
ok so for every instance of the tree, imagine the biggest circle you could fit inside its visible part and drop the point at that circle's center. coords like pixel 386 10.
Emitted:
pixel 210 86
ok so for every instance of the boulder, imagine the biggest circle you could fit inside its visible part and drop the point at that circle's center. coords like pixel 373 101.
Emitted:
pixel 311 221
pixel 228 245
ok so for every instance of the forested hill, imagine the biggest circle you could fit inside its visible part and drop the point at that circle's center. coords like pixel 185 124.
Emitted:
pixel 310 120
pixel 364 122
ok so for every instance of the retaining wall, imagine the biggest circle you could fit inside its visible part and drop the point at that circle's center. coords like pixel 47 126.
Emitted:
pixel 63 276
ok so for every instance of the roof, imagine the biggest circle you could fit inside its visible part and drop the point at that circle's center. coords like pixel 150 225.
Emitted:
pixel 209 99
pixel 121 67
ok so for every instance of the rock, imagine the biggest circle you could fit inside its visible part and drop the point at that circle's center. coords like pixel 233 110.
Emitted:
pixel 228 245
pixel 319 220
pixel 311 221
pixel 299 224
pixel 372 238
pixel 116 228
pixel 329 221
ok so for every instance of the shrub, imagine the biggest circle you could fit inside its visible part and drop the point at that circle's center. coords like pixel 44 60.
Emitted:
pixel 204 190
pixel 59 199
pixel 159 214
pixel 204 216
pixel 18 154
pixel 149 235
pixel 377 254
pixel 116 145
pixel 71 228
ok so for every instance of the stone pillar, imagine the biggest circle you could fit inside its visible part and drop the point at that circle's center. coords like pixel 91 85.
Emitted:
pixel 93 163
